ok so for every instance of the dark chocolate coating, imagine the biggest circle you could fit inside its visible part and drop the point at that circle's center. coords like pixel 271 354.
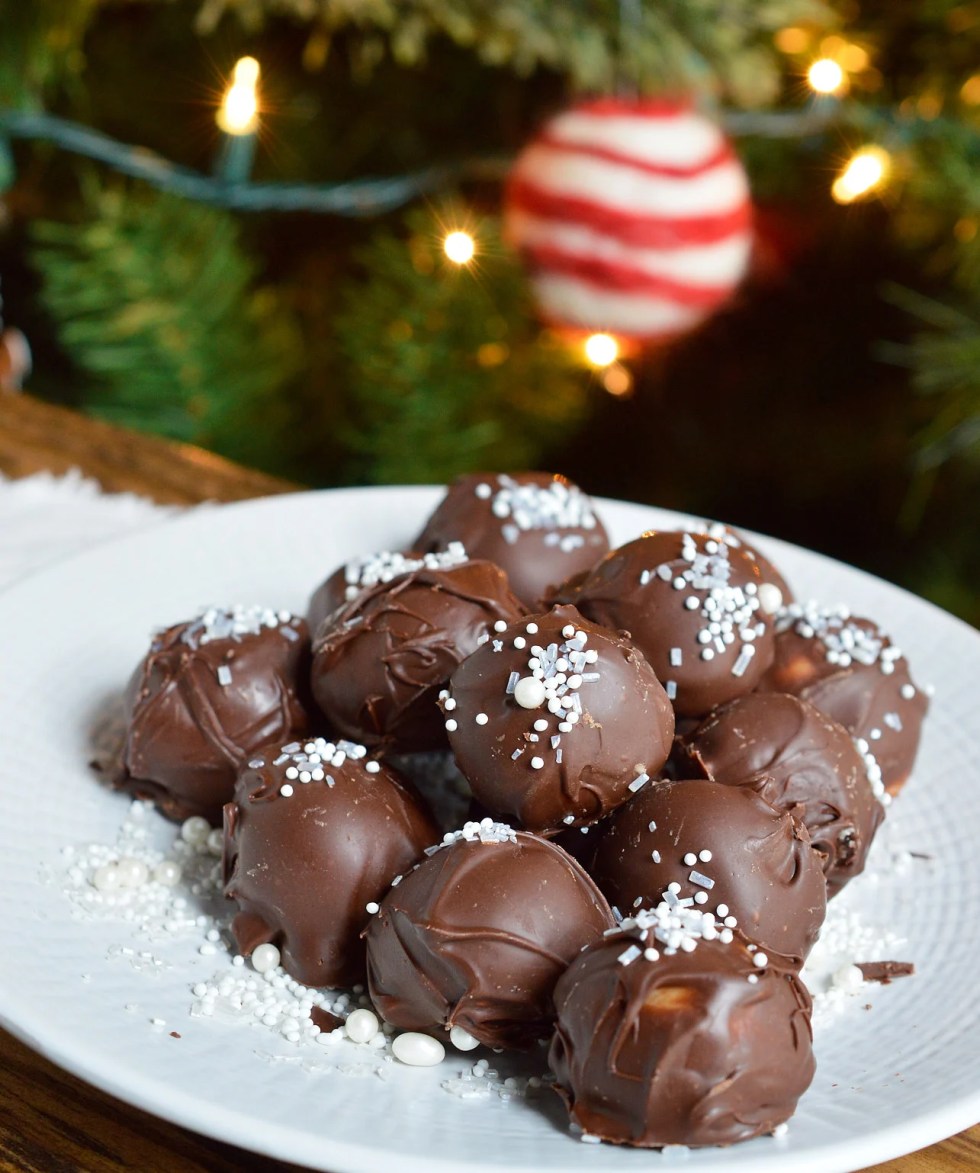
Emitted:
pixel 188 734
pixel 623 728
pixel 801 762
pixel 380 661
pixel 302 866
pixel 763 869
pixel 681 1050
pixel 539 527
pixel 666 589
pixel 867 689
pixel 478 934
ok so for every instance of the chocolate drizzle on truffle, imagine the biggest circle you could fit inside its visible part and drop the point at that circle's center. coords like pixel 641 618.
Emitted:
pixel 477 935
pixel 851 671
pixel 671 1032
pixel 800 761
pixel 317 832
pixel 207 693
pixel 380 661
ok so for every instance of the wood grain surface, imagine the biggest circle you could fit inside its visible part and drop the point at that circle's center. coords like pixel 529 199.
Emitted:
pixel 50 1121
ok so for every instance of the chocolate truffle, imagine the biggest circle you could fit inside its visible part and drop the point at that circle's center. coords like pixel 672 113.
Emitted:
pixel 477 935
pixel 691 604
pixel 673 1032
pixel 556 721
pixel 538 526
pixel 317 831
pixel 347 581
pixel 726 848
pixel 852 671
pixel 800 761
pixel 208 692
pixel 381 660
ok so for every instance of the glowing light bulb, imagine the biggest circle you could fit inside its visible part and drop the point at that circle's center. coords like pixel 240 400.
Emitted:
pixel 239 111
pixel 601 349
pixel 826 76
pixel 459 247
pixel 865 172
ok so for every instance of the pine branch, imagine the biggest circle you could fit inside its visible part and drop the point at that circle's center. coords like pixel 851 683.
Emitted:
pixel 445 369
pixel 155 301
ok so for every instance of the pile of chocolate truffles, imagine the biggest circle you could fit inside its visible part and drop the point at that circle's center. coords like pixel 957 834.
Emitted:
pixel 672 765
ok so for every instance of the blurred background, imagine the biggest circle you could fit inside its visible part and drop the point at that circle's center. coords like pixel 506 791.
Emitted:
pixel 824 388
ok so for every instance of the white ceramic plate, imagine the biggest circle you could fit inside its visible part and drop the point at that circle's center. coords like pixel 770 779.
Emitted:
pixel 889 1080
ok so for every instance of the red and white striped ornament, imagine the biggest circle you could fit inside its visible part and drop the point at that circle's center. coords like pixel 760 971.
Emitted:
pixel 634 217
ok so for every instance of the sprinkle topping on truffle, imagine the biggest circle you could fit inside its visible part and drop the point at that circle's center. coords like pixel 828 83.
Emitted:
pixel 385 565
pixel 232 623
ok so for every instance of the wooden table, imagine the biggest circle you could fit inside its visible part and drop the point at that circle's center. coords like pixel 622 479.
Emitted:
pixel 52 1122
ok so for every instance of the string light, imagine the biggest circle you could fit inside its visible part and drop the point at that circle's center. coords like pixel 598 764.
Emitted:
pixel 601 350
pixel 618 380
pixel 239 110
pixel 867 170
pixel 459 247
pixel 826 76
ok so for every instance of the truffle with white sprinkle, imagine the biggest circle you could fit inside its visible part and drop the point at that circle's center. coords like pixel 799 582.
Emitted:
pixel 347 581
pixel 478 933
pixel 316 834
pixel 850 669
pixel 584 725
pixel 691 604
pixel 670 1032
pixel 539 527
pixel 208 692
pixel 720 849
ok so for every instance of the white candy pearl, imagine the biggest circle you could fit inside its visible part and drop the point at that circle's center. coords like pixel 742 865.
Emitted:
pixel 462 1040
pixel 848 977
pixel 106 878
pixel 361 1026
pixel 195 830
pixel 167 873
pixel 215 841
pixel 131 873
pixel 418 1050
pixel 770 597
pixel 265 958
pixel 529 692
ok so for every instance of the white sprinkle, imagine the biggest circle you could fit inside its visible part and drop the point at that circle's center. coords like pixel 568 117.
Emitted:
pixel 481 718
pixel 452 725
pixel 265 958
pixel 531 629
pixel 500 625
pixel 690 858
pixel 371 767
pixel 701 880
pixel 651 826
pixel 195 831
pixel 417 1050
pixel 361 1026
pixel 537 763
pixel 629 955
pixel 286 790
pixel 676 657
pixel 908 691
pixel 223 674
pixel 371 907
pixel 655 856
pixel 670 688
pixel 462 1040
pixel 638 782
pixel 449 703
pixel 760 960
pixel 529 693
pixel 704 856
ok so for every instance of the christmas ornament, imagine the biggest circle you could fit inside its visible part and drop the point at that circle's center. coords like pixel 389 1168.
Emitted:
pixel 634 217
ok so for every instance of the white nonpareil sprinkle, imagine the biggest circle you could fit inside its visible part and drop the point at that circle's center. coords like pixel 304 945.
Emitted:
pixel 417 1050
pixel 265 958
pixel 844 640
pixel 213 623
pixel 386 565
pixel 304 761
pixel 670 927
pixel 361 1026
pixel 462 1040
pixel 549 507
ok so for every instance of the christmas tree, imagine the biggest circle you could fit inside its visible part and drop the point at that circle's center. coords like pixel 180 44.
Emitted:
pixel 284 284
